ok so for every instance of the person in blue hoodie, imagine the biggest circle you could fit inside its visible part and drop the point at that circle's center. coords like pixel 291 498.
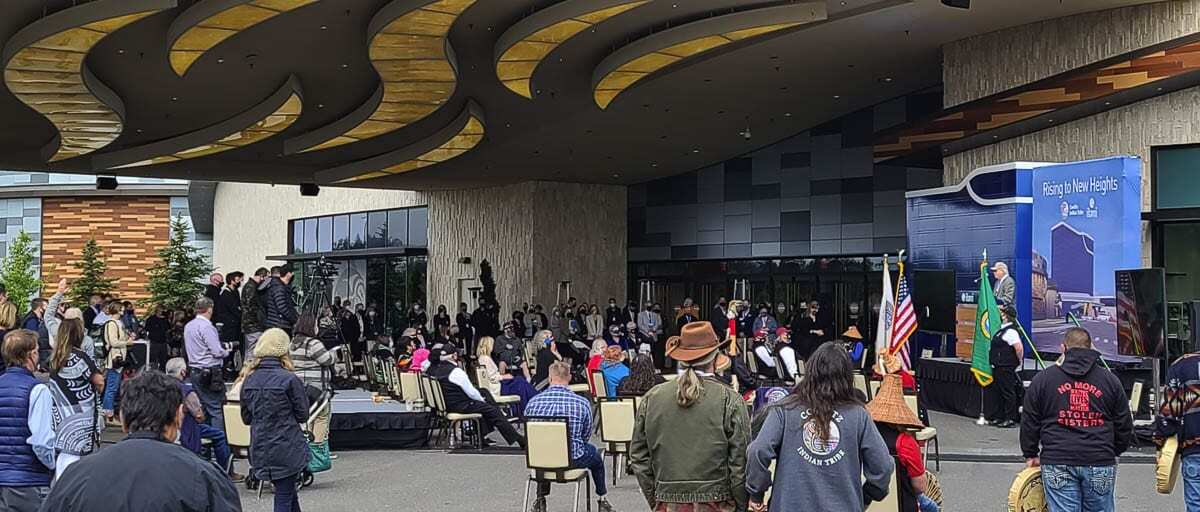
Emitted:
pixel 614 369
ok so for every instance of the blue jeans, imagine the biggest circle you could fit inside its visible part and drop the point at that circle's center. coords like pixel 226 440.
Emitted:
pixel 220 446
pixel 112 390
pixel 591 461
pixel 1190 473
pixel 285 494
pixel 1079 488
pixel 213 403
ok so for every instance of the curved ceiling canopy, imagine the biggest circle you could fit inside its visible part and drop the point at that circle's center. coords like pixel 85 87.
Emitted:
pixel 650 54
pixel 44 68
pixel 453 140
pixel 208 22
pixel 416 69
pixel 523 47
pixel 269 118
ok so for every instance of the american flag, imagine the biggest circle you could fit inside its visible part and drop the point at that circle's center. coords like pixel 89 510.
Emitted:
pixel 906 321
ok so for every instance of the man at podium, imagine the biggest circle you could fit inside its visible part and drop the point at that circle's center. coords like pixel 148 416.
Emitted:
pixel 1006 289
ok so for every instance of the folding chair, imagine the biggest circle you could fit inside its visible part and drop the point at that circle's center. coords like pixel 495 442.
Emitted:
pixel 860 383
pixel 410 389
pixel 890 503
pixel 505 401
pixel 599 387
pixel 1135 397
pixel 616 428
pixel 549 457
pixel 927 434
pixel 454 420
pixel 237 432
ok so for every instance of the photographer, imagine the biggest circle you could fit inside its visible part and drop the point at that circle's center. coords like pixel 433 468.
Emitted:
pixel 205 355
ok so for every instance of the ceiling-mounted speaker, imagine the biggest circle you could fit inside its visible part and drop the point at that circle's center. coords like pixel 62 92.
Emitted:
pixel 106 183
pixel 959 4
pixel 309 189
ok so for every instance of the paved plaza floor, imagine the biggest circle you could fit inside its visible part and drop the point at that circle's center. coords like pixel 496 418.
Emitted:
pixel 975 477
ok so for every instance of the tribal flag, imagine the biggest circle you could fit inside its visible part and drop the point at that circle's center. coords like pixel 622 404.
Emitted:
pixel 905 323
pixel 887 308
pixel 987 322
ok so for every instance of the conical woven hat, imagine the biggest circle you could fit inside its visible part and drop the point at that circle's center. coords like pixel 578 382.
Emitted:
pixel 888 406
pixel 1026 493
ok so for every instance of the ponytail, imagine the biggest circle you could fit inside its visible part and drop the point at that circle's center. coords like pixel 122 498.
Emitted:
pixel 691 386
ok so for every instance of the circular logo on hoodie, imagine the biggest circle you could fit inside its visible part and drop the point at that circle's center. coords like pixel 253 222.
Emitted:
pixel 818 446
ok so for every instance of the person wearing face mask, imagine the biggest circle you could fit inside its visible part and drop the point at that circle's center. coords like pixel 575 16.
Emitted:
pixel 649 324
pixel 441 319
pixel 812 330
pixel 764 321
pixel 546 356
pixel 616 337
pixel 745 320
pixel 146 470
pixel 782 317
pixel 27 438
pixel 687 314
pixel 612 315
pixel 629 314
pixel 417 319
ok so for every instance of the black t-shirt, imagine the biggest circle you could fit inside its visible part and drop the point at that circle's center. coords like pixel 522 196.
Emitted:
pixel 510 352
pixel 75 379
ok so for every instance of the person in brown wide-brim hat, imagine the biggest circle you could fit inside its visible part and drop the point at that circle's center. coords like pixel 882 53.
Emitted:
pixel 696 341
pixel 888 406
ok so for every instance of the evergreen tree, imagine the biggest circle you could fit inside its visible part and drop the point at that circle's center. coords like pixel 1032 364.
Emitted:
pixel 18 272
pixel 174 282
pixel 91 279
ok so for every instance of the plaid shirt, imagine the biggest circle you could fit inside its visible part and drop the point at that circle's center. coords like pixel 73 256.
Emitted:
pixel 559 401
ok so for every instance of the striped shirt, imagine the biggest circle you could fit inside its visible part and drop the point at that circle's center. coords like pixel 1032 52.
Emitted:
pixel 309 355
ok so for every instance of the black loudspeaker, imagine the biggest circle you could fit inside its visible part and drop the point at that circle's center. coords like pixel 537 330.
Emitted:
pixel 960 4
pixel 106 183
pixel 933 297
pixel 309 189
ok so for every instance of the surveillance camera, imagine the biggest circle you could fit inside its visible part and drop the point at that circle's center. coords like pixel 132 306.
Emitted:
pixel 746 134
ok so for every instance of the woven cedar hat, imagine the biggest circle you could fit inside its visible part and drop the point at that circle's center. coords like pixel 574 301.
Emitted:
pixel 852 333
pixel 888 405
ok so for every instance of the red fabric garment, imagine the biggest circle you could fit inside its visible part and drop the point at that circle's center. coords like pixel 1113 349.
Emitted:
pixel 909 382
pixel 909 454
pixel 593 365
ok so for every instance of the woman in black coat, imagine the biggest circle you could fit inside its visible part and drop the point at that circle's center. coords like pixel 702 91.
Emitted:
pixel 274 404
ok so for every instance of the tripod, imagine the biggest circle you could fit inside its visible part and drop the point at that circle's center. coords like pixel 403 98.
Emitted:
pixel 314 299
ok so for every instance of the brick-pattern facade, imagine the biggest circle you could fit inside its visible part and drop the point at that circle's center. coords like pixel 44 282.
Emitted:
pixel 129 229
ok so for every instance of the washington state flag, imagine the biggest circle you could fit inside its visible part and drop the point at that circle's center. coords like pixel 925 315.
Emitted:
pixel 987 322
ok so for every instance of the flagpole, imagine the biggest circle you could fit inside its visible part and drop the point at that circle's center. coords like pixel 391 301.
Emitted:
pixel 982 421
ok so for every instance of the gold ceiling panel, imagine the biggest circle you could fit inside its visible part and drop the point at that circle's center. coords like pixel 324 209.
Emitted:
pixel 271 125
pixel 47 75
pixel 518 62
pixel 409 54
pixel 618 80
pixel 211 31
pixel 465 140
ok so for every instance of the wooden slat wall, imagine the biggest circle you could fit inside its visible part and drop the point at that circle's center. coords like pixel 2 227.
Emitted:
pixel 129 229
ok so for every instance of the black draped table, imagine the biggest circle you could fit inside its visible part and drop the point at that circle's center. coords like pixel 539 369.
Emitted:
pixel 947 385
pixel 358 423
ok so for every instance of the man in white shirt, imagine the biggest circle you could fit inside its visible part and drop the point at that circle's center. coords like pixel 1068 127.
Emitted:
pixel 783 348
pixel 463 397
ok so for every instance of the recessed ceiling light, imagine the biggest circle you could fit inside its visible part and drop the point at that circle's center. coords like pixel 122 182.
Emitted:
pixel 174 98
pixel 220 61
pixel 344 65
pixel 886 79
pixel 674 6
pixel 324 27
pixel 695 150
pixel 837 96
pixel 1049 120
pixel 616 175
pixel 1108 103
pixel 121 51
pixel 320 105
pixel 653 164
pixel 787 114
pixel 1160 89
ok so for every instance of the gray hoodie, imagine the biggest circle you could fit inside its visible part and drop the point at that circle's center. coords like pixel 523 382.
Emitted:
pixel 811 474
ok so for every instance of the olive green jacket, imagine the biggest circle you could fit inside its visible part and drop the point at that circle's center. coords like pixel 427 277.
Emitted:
pixel 692 455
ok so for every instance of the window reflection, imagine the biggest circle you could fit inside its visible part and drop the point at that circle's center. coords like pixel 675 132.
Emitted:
pixel 358 231
pixel 376 229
